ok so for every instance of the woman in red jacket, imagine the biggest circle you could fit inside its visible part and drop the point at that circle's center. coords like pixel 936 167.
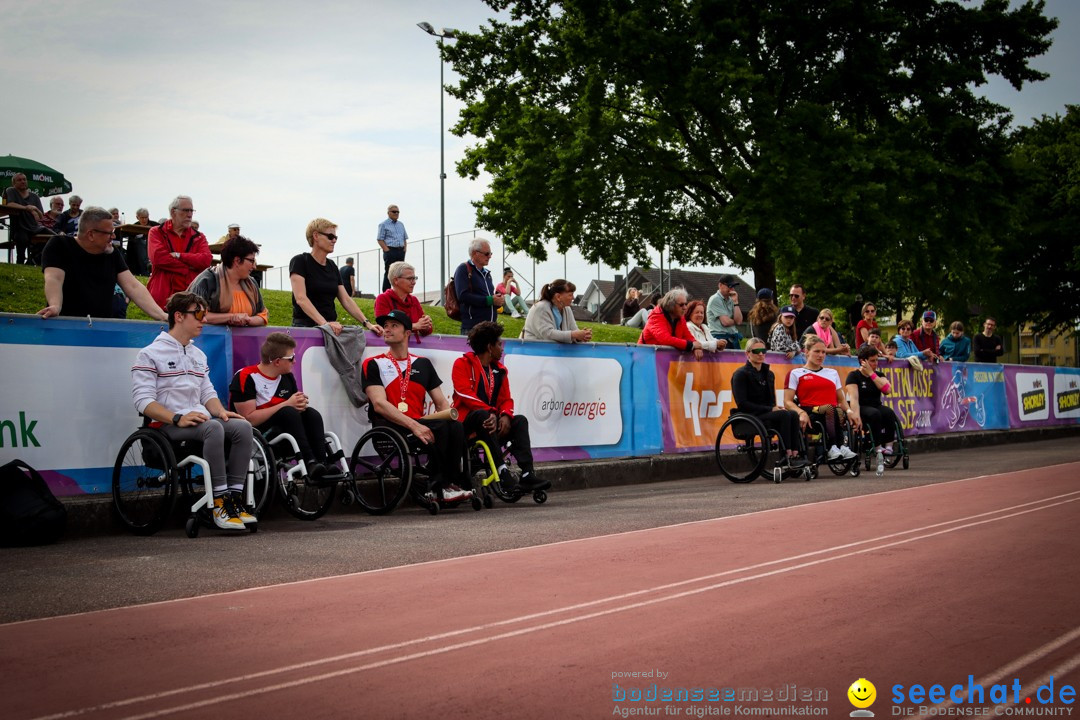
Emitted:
pixel 667 324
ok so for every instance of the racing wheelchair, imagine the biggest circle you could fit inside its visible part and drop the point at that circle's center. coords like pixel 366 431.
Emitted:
pixel 486 480
pixel 746 449
pixel 385 465
pixel 147 475
pixel 818 449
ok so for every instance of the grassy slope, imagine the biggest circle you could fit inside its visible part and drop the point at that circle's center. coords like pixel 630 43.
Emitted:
pixel 22 291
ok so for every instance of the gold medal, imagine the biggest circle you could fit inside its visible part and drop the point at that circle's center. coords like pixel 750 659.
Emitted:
pixel 403 406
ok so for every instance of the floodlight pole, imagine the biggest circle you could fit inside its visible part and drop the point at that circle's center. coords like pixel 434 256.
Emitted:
pixel 446 33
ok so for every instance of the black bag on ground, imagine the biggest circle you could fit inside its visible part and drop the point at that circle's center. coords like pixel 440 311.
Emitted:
pixel 29 513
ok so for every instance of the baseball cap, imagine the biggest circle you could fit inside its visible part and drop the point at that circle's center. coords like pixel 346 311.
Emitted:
pixel 398 316
pixel 789 310
pixel 765 294
pixel 234 226
pixel 929 315
pixel 729 280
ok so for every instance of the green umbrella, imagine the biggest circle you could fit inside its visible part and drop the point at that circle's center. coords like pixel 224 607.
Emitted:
pixel 42 179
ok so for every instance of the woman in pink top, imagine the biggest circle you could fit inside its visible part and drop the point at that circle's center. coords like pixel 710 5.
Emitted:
pixel 509 288
pixel 824 329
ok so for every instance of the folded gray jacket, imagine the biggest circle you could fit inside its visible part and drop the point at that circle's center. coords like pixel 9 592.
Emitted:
pixel 345 352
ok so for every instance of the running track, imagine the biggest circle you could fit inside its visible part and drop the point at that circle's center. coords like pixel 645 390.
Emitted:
pixel 923 585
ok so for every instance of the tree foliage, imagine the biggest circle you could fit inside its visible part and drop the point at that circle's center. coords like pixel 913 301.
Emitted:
pixel 1041 262
pixel 838 142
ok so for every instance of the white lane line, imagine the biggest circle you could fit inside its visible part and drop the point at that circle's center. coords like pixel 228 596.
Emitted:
pixel 1032 687
pixel 526 548
pixel 522 631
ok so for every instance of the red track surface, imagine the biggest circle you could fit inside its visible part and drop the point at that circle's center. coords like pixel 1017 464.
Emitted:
pixel 926 585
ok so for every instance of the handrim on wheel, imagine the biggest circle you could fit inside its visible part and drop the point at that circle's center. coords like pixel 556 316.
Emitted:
pixel 144 482
pixel 742 448
pixel 382 470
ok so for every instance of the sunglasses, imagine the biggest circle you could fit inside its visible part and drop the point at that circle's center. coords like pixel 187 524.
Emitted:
pixel 823 318
pixel 290 358
pixel 758 351
pixel 199 314
pixel 328 236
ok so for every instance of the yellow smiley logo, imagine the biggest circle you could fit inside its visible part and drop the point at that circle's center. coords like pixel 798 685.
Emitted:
pixel 862 693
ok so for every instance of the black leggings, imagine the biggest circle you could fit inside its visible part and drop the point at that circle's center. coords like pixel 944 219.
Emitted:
pixel 882 422
pixel 785 422
pixel 829 417
pixel 445 455
pixel 306 427
pixel 518 438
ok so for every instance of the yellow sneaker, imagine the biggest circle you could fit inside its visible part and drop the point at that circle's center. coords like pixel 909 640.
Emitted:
pixel 224 517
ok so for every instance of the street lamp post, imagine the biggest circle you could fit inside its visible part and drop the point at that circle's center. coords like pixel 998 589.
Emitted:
pixel 444 34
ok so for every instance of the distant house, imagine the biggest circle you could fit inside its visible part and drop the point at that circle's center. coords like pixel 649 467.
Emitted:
pixel 597 292
pixel 698 285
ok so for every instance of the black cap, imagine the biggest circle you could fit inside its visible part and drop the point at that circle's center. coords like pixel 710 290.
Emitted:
pixel 729 280
pixel 398 316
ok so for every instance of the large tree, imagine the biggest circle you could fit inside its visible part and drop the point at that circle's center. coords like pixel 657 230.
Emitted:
pixel 1040 278
pixel 841 142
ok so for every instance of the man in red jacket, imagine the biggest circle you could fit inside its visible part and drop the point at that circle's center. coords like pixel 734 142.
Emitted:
pixel 177 251
pixel 667 324
pixel 482 398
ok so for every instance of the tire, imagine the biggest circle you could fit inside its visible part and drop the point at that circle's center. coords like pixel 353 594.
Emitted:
pixel 742 448
pixel 262 481
pixel 381 470
pixel 898 449
pixel 773 452
pixel 144 482
pixel 539 497
pixel 841 466
pixel 905 462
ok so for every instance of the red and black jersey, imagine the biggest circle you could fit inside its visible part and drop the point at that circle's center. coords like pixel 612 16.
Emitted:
pixel 250 384
pixel 387 372
pixel 471 383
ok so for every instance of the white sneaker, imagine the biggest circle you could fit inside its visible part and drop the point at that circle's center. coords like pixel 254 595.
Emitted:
pixel 846 452
pixel 224 515
pixel 515 315
pixel 452 493
pixel 834 453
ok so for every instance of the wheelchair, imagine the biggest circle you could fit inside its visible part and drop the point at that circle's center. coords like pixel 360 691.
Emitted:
pixel 758 451
pixel 900 451
pixel 147 475
pixel 385 467
pixel 486 480
pixel 818 449
pixel 303 498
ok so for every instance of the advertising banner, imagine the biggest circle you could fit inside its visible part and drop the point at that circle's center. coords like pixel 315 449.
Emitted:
pixel 67 403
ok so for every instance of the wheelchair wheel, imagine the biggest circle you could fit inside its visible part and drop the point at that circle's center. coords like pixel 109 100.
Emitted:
pixel 840 466
pixel 742 448
pixel 381 469
pixel 262 480
pixel 774 450
pixel 144 482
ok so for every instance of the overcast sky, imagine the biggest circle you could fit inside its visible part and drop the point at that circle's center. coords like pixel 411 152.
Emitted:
pixel 271 113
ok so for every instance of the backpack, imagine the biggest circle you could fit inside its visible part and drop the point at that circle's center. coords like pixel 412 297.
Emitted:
pixel 451 304
pixel 29 513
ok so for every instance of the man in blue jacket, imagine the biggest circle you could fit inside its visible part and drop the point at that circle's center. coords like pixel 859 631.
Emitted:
pixel 475 289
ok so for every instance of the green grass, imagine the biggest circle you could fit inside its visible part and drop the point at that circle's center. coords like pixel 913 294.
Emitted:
pixel 22 291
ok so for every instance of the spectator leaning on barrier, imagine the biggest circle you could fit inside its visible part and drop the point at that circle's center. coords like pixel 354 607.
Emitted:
pixel 268 397
pixel 956 346
pixel 805 316
pixel 926 337
pixel 764 314
pixel 551 319
pixel 782 337
pixel 393 240
pixel 905 348
pixel 753 387
pixel 695 323
pixel 873 339
pixel 171 386
pixel 824 329
pixel 723 313
pixel 178 252
pixel 474 287
pixel 988 346
pixel 316 283
pixel 81 273
pixel 486 408
pixel 231 295
pixel 667 324
pixel 399 297
pixel 398 384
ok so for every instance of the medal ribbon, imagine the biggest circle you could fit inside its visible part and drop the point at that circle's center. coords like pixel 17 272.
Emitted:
pixel 403 379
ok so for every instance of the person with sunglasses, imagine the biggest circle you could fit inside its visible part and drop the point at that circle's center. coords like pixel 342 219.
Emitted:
pixel 400 297
pixel 823 328
pixel 267 395
pixel 866 324
pixel 667 325
pixel 232 296
pixel 316 283
pixel 178 251
pixel 753 387
pixel 804 314
pixel 393 240
pixel 82 272
pixel 475 289
pixel 171 387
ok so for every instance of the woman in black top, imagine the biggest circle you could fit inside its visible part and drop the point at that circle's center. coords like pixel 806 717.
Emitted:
pixel 867 387
pixel 316 283
pixel 754 390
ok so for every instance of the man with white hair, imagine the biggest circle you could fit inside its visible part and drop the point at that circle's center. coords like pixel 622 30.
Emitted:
pixel 24 224
pixel 82 272
pixel 393 240
pixel 178 252
pixel 474 287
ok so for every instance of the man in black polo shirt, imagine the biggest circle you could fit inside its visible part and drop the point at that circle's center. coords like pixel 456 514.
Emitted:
pixel 81 273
